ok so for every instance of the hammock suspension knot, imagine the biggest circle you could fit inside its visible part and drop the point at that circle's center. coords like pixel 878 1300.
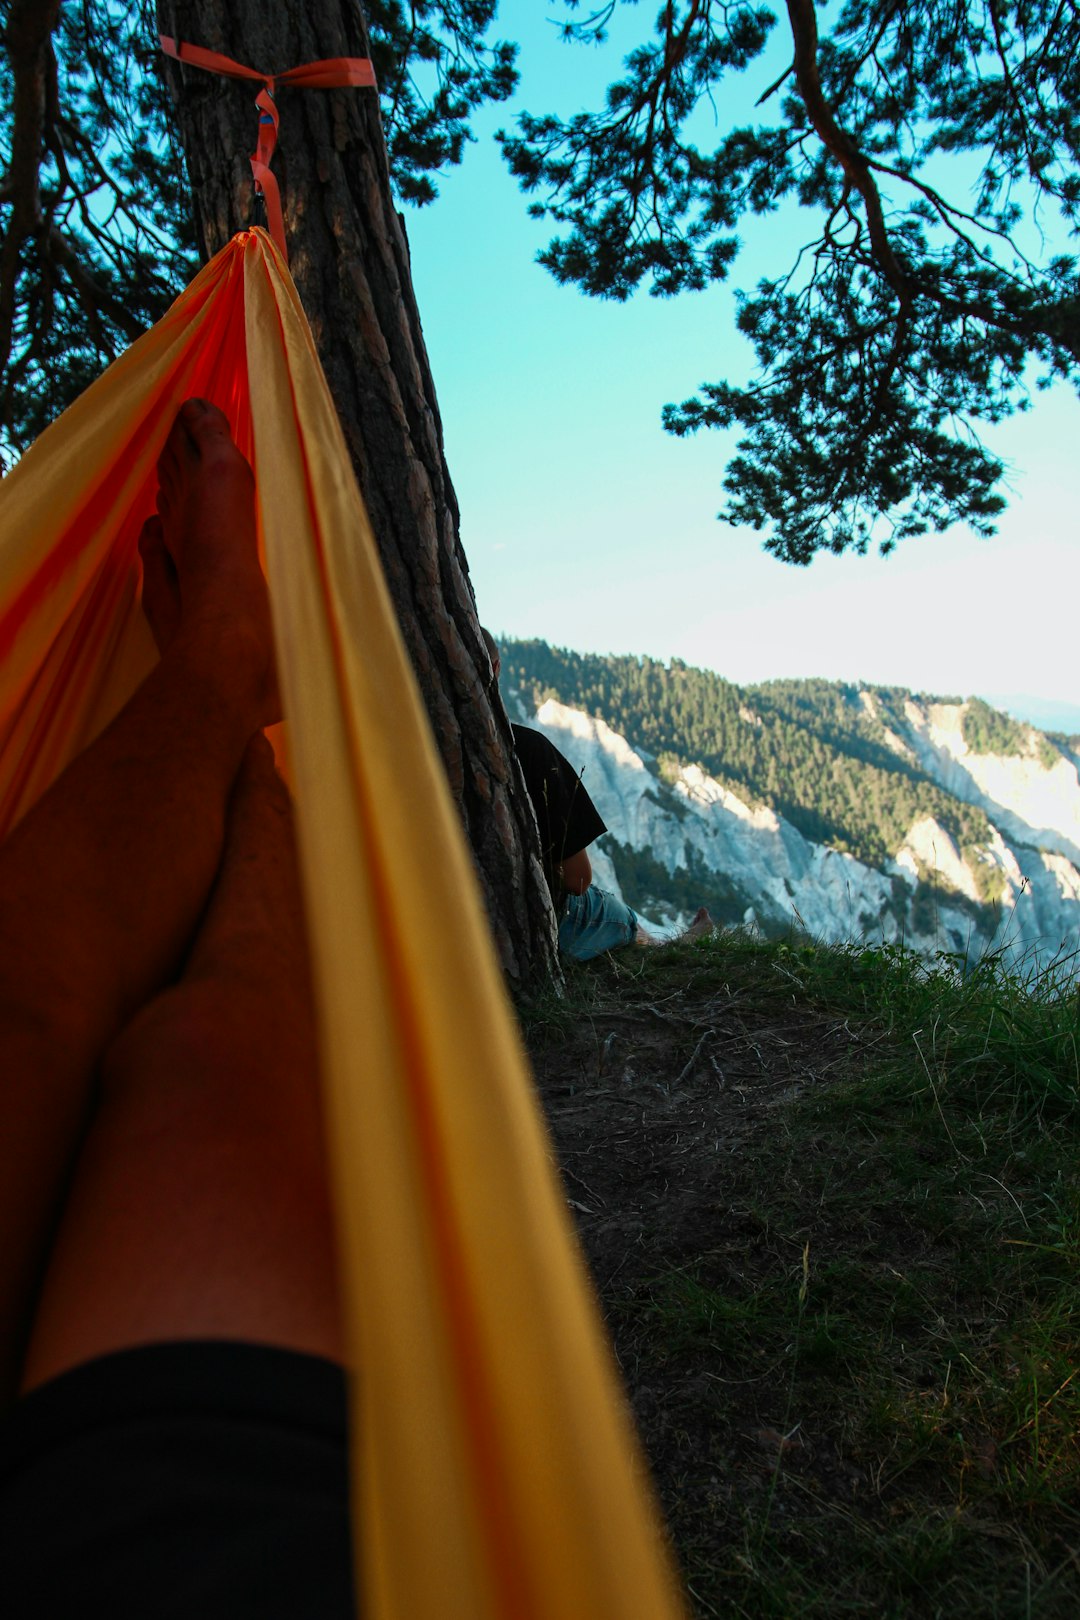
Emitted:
pixel 336 72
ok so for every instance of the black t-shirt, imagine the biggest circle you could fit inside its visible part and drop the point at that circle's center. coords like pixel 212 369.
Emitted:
pixel 566 816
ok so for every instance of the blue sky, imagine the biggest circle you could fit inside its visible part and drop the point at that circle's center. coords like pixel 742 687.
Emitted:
pixel 585 524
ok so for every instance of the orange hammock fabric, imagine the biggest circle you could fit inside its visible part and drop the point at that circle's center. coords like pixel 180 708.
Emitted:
pixel 495 1474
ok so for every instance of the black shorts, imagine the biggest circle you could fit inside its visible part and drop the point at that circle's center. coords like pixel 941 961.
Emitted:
pixel 186 1481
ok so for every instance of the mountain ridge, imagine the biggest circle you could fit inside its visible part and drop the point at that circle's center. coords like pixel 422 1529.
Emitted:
pixel 851 810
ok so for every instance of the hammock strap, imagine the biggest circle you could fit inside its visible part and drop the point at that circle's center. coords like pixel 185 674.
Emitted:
pixel 332 73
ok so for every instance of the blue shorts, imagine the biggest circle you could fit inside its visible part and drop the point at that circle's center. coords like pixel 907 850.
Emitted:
pixel 594 922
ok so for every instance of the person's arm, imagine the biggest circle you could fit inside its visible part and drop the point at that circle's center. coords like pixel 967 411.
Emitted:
pixel 575 872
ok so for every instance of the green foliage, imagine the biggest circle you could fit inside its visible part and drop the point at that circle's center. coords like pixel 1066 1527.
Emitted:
pixel 850 1316
pixel 103 249
pixel 668 800
pixel 810 749
pixel 932 891
pixel 920 142
pixel 933 146
pixel 96 235
pixel 989 877
pixel 823 467
pixel 988 731
pixel 1000 1039
pixel 435 68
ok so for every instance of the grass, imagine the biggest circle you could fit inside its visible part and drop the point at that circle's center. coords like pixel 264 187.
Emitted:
pixel 869 1371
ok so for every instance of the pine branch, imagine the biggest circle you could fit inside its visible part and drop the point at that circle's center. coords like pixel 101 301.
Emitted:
pixel 96 299
pixel 836 141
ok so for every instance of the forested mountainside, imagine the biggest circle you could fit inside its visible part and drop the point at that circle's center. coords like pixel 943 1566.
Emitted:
pixel 935 802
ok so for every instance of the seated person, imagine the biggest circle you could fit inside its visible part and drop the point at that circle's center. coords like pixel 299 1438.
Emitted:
pixel 591 920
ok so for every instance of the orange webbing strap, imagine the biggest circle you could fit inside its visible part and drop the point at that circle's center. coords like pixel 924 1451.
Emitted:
pixel 334 72
pixel 265 180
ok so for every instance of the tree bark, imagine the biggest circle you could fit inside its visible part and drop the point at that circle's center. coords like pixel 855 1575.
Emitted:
pixel 29 42
pixel 350 260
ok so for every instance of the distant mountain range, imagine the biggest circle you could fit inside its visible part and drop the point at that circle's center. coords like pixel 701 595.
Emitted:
pixel 848 811
pixel 1046 713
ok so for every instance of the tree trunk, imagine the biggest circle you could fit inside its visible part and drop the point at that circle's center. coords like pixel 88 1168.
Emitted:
pixel 350 261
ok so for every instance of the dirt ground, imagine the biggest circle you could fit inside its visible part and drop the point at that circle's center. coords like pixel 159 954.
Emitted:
pixel 659 1102
pixel 781 1264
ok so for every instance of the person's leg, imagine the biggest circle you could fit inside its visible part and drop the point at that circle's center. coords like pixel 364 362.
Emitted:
pixel 103 882
pixel 199 1207
pixel 594 922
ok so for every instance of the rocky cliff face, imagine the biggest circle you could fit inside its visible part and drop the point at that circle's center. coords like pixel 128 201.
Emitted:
pixel 1030 796
pixel 682 834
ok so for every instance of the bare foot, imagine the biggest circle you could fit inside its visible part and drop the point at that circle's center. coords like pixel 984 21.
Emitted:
pixel 701 925
pixel 201 573
pixel 161 585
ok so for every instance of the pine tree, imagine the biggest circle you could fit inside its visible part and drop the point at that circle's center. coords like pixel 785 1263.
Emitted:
pixel 88 257
pixel 934 149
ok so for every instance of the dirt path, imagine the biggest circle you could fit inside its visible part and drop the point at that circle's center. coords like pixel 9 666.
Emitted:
pixel 650 1098
pixel 659 1101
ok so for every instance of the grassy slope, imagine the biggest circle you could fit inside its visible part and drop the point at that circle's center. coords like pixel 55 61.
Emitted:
pixel 831 1201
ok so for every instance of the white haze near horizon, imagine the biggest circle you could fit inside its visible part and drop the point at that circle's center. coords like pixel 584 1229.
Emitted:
pixel 588 526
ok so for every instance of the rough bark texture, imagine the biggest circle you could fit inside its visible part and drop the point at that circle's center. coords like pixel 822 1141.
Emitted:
pixel 29 42
pixel 350 260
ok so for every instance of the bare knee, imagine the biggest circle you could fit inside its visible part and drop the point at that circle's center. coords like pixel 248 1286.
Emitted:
pixel 200 1207
pixel 211 1053
pixel 174 1035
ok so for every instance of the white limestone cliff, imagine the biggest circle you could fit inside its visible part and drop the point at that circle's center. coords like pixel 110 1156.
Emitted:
pixel 1025 798
pixel 929 894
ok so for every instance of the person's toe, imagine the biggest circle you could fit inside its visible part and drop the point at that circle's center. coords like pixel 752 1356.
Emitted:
pixel 203 423
pixel 196 423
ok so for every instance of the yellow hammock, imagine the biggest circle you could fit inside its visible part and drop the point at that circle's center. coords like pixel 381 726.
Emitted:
pixel 495 1475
